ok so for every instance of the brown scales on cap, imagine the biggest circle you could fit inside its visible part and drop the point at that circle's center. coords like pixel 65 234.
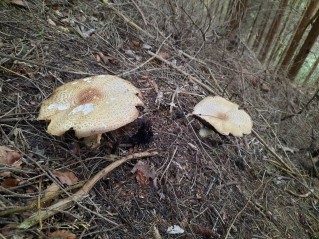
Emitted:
pixel 224 116
pixel 91 106
pixel 88 95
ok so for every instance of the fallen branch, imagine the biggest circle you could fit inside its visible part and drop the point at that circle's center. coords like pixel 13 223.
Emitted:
pixel 34 204
pixel 62 205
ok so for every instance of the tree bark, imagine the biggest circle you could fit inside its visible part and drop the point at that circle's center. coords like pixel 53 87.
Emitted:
pixel 237 14
pixel 302 26
pixel 300 58
pixel 313 68
pixel 262 28
pixel 253 27
pixel 275 54
pixel 273 31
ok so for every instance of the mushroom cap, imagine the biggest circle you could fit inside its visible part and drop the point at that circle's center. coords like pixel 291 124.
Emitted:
pixel 224 116
pixel 92 105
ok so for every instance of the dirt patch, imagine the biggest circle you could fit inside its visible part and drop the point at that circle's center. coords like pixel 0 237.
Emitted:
pixel 217 187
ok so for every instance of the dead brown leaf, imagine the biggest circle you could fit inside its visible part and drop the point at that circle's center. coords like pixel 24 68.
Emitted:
pixel 136 43
pixel 8 156
pixel 164 54
pixel 52 188
pixel 106 59
pixel 66 177
pixel 62 234
pixel 10 182
pixel 204 231
pixel 151 82
pixel 9 230
pixel 143 172
pixel 5 174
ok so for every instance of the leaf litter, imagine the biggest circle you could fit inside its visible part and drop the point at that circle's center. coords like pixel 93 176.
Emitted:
pixel 200 185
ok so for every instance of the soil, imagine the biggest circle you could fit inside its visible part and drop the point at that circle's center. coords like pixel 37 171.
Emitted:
pixel 262 185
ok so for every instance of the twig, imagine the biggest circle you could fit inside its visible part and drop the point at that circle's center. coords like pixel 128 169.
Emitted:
pixel 147 61
pixel 303 109
pixel 191 78
pixel 34 204
pixel 300 195
pixel 46 66
pixel 172 104
pixel 140 11
pixel 240 212
pixel 127 20
pixel 272 152
pixel 80 194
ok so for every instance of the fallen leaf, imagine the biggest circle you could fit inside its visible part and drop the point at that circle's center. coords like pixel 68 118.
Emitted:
pixel 152 83
pixel 10 182
pixel 5 174
pixel 9 230
pixel 204 231
pixel 156 233
pixel 136 43
pixel 106 59
pixel 143 172
pixel 146 46
pixel 265 87
pixel 51 189
pixel 8 156
pixel 164 54
pixel 66 177
pixel 62 234
pixel 175 230
pixel 19 3
pixel 51 22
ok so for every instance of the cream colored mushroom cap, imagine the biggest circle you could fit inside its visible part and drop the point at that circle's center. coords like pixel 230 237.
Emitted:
pixel 224 116
pixel 92 105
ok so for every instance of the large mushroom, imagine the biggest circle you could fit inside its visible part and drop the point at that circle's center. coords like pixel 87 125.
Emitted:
pixel 224 116
pixel 91 106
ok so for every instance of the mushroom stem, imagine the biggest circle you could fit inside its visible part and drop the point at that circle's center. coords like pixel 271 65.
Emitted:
pixel 205 132
pixel 92 141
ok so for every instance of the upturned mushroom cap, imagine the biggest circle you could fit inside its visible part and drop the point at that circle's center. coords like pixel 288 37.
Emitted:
pixel 91 106
pixel 224 116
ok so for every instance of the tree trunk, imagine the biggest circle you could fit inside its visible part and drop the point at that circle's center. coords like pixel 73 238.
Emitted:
pixel 253 27
pixel 262 28
pixel 302 26
pixel 300 58
pixel 237 14
pixel 313 68
pixel 273 31
pixel 278 46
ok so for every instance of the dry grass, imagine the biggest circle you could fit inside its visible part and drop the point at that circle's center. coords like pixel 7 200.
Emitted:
pixel 216 187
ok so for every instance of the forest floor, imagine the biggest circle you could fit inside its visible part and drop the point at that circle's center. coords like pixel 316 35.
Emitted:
pixel 263 185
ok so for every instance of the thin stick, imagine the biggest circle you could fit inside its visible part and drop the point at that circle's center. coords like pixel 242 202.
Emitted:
pixel 304 108
pixel 42 65
pixel 140 11
pixel 240 212
pixel 128 21
pixel 272 151
pixel 191 78
pixel 80 194
pixel 34 204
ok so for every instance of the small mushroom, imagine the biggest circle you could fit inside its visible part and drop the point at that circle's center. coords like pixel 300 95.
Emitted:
pixel 224 116
pixel 91 106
